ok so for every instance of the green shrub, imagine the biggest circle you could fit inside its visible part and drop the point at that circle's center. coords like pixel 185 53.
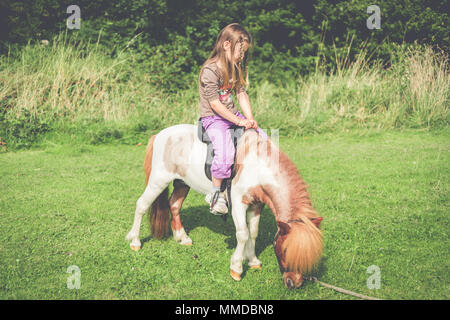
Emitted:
pixel 103 135
pixel 21 130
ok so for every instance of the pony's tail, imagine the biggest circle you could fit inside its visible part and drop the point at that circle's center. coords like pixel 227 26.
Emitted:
pixel 303 245
pixel 148 158
pixel 159 212
pixel 159 215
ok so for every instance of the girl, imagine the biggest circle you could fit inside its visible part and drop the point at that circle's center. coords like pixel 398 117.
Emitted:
pixel 223 72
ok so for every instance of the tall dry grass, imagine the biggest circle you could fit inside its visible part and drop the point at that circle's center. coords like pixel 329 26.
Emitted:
pixel 412 92
pixel 81 84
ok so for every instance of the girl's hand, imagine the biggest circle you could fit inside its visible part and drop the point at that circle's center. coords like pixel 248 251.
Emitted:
pixel 245 123
pixel 254 124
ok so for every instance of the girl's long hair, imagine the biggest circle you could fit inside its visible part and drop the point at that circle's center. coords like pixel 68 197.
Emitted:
pixel 234 33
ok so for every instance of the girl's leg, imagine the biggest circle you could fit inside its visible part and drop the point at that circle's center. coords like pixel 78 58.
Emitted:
pixel 219 133
pixel 216 182
pixel 206 123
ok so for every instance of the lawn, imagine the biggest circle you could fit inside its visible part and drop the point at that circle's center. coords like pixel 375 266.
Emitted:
pixel 384 196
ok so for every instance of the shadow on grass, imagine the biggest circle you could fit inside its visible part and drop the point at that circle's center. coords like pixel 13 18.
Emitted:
pixel 200 216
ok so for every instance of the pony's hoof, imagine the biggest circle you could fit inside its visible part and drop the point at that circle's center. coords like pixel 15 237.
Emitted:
pixel 186 241
pixel 257 267
pixel 135 248
pixel 236 276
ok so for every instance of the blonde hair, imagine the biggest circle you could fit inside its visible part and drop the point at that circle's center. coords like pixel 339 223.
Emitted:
pixel 234 33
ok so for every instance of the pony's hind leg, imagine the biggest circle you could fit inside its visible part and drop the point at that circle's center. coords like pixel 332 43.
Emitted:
pixel 152 191
pixel 180 191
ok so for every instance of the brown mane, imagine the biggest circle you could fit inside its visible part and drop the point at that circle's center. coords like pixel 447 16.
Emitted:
pixel 300 203
pixel 303 244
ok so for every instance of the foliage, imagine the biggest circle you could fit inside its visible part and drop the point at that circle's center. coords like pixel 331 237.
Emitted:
pixel 22 130
pixel 287 27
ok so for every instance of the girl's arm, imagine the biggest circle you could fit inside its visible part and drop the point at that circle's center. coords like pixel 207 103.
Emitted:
pixel 244 102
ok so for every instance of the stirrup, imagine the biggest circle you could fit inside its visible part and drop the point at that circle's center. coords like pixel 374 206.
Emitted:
pixel 214 199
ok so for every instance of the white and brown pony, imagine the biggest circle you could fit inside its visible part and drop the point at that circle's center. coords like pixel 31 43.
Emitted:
pixel 263 175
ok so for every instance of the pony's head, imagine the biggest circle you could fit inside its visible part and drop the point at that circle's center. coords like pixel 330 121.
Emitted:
pixel 298 247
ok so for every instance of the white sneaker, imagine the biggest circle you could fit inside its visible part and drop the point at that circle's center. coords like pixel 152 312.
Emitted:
pixel 220 207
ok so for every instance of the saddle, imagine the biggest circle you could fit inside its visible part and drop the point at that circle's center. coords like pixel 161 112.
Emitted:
pixel 204 137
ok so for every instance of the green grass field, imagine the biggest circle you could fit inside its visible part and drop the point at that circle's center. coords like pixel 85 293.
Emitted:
pixel 384 196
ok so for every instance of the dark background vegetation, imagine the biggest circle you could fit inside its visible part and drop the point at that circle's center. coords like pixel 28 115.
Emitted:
pixel 288 34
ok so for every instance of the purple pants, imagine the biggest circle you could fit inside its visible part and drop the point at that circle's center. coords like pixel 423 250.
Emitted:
pixel 222 141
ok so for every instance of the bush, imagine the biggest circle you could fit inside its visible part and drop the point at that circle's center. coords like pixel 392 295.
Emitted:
pixel 103 135
pixel 21 130
pixel 170 66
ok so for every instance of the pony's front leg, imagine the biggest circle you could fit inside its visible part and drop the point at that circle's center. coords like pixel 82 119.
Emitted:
pixel 242 236
pixel 253 216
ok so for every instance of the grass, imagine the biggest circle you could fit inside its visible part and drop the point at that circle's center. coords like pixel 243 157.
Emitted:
pixel 370 140
pixel 384 196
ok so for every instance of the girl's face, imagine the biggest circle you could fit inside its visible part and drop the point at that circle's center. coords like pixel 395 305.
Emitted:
pixel 237 50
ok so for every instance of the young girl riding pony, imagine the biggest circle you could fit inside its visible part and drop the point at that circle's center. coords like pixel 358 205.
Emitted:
pixel 224 72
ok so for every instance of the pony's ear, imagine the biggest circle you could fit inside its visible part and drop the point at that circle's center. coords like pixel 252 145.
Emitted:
pixel 317 221
pixel 284 227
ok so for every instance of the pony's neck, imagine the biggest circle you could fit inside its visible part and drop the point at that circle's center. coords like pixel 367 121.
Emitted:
pixel 288 196
pixel 281 186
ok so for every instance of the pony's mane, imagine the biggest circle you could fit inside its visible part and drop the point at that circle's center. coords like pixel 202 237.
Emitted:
pixel 249 139
pixel 300 203
pixel 303 246
pixel 303 243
